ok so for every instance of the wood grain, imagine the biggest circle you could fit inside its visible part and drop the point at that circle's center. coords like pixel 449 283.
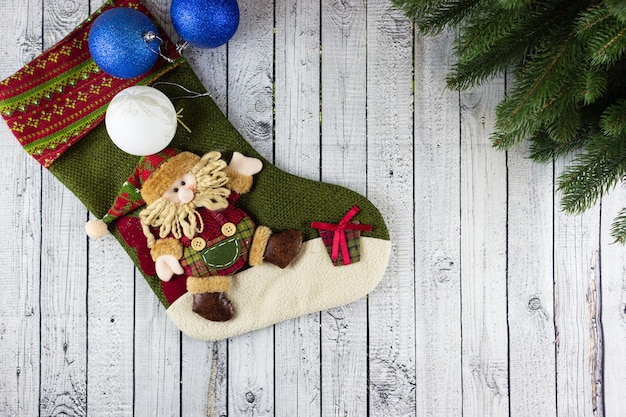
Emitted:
pixel 21 206
pixel 344 161
pixel 495 303
pixel 437 227
pixel 63 268
pixel 530 286
pixel 391 306
pixel 251 74
pixel 157 356
pixel 110 325
pixel 576 267
pixel 612 292
pixel 483 257
pixel 250 109
pixel 297 150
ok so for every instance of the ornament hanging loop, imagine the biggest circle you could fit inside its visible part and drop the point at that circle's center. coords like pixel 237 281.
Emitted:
pixel 149 38
pixel 192 94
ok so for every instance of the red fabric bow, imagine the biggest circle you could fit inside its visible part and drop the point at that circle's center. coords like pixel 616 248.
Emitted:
pixel 339 236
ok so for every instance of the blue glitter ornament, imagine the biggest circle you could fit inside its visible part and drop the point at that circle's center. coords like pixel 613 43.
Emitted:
pixel 205 23
pixel 122 42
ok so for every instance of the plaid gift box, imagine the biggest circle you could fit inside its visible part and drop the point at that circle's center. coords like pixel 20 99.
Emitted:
pixel 353 241
pixel 342 240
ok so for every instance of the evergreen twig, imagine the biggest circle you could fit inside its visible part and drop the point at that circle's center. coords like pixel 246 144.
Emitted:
pixel 568 59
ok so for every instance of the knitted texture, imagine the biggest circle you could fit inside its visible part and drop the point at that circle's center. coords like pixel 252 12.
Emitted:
pixel 278 200
pixel 94 169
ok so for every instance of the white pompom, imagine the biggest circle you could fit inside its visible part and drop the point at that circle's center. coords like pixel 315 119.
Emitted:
pixel 96 229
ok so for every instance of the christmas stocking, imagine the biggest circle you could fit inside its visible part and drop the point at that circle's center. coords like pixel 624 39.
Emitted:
pixel 228 242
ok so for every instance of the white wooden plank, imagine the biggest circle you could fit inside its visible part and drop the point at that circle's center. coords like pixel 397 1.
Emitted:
pixel 157 356
pixel 483 257
pixel 250 109
pixel 204 378
pixel 391 312
pixel 344 159
pixel 576 269
pixel 210 65
pixel 530 286
pixel 250 75
pixel 437 227
pixel 64 267
pixel 251 374
pixel 298 87
pixel 613 306
pixel 20 41
pixel 111 326
pixel 63 301
pixel 297 341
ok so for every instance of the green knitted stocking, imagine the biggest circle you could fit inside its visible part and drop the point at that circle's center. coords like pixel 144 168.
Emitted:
pixel 80 154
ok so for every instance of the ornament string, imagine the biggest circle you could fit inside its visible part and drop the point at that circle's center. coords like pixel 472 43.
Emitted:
pixel 192 94
pixel 339 235
pixel 179 118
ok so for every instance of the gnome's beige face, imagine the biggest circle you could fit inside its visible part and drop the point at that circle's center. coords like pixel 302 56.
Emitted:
pixel 175 211
pixel 182 190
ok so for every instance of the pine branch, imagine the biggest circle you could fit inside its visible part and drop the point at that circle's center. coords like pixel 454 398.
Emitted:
pixel 449 15
pixel 534 89
pixel 543 149
pixel 593 173
pixel 515 4
pixel 591 85
pixel 568 60
pixel 423 12
pixel 618 228
pixel 484 48
pixel 617 8
pixel 613 120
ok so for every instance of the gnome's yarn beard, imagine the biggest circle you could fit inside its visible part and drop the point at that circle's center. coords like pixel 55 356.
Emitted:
pixel 181 219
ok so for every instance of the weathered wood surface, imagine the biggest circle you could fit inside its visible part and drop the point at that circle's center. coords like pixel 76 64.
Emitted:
pixel 495 302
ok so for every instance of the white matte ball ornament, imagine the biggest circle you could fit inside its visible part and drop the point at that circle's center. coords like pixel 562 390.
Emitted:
pixel 141 120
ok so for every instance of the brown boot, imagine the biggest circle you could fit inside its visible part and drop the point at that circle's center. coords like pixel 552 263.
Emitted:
pixel 214 306
pixel 283 247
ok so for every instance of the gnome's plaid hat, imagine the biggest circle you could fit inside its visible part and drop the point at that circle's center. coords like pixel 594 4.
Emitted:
pixel 152 176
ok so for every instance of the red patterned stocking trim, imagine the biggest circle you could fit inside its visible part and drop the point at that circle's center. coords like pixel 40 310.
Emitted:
pixel 54 101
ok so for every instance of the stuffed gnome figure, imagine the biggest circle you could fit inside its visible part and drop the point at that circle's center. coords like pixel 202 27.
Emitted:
pixel 194 229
